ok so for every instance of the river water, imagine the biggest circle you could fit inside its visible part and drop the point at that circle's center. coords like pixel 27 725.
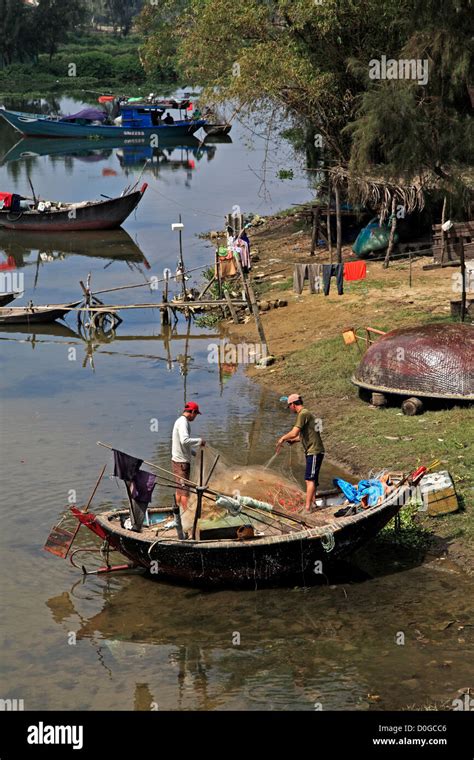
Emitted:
pixel 124 642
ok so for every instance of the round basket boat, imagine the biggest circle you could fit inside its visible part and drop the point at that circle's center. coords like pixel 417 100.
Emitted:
pixel 427 361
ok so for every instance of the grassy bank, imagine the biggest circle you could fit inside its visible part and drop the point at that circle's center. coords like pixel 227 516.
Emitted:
pixel 312 359
pixel 95 61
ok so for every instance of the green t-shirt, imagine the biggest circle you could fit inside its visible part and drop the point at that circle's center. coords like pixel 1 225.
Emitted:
pixel 309 434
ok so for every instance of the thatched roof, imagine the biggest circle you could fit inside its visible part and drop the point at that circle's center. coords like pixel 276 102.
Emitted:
pixel 378 192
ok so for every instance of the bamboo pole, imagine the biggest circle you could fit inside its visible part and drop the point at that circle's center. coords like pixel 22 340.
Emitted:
pixel 233 312
pixel 252 304
pixel 148 283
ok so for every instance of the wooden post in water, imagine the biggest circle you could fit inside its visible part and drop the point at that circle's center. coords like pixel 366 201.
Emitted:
pixel 391 238
pixel 338 225
pixel 165 317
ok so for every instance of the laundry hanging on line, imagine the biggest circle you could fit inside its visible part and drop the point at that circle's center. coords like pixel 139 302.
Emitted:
pixel 311 272
pixel 336 270
pixel 355 270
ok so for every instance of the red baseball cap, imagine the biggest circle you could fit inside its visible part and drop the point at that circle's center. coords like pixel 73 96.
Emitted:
pixel 191 406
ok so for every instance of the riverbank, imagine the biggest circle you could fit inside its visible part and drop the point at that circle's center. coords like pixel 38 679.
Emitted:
pixel 310 357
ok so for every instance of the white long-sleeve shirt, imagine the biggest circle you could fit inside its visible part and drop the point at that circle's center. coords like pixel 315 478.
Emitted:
pixel 182 443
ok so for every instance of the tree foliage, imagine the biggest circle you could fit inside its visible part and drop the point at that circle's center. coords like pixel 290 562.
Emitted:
pixel 312 60
pixel 27 31
pixel 160 28
pixel 122 13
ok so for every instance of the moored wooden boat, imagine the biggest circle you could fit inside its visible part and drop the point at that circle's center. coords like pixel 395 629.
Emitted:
pixel 273 558
pixel 73 217
pixel 138 121
pixel 35 314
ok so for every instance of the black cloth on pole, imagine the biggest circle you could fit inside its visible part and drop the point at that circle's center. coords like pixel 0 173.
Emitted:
pixel 125 466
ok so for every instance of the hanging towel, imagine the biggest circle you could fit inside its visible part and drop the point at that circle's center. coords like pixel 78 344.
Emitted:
pixel 125 466
pixel 143 484
pixel 355 270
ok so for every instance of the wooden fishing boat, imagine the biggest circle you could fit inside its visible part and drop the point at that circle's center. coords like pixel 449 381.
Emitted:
pixel 35 314
pixel 73 217
pixel 252 545
pixel 273 558
pixel 137 120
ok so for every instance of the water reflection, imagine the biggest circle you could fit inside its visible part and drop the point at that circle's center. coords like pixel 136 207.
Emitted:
pixel 32 248
pixel 279 649
pixel 172 154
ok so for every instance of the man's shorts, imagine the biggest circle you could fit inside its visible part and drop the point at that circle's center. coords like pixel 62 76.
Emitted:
pixel 181 472
pixel 313 465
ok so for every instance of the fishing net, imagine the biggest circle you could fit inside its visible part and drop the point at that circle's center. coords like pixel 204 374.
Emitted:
pixel 256 481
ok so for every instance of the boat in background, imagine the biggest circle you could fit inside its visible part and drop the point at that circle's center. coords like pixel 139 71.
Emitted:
pixel 49 216
pixel 135 120
pixel 6 298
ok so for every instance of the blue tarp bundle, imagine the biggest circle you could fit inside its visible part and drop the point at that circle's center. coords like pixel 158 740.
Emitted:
pixel 372 238
pixel 373 489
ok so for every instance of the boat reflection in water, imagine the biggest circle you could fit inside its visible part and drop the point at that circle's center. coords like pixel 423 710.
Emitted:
pixel 114 245
pixel 178 651
pixel 172 151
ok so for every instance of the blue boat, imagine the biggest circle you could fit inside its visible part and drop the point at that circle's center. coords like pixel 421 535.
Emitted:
pixel 138 120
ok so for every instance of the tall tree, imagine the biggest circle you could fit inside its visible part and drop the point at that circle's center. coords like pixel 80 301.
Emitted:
pixel 16 42
pixel 123 12
pixel 54 19
pixel 159 25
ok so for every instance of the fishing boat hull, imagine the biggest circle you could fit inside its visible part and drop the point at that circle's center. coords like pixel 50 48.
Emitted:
pixel 38 125
pixel 275 560
pixel 35 314
pixel 97 215
pixel 6 298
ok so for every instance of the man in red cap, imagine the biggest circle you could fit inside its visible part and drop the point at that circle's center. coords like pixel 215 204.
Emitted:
pixel 306 429
pixel 182 451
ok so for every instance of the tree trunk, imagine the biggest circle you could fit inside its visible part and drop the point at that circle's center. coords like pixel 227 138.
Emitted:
pixel 338 225
pixel 328 219
pixel 392 233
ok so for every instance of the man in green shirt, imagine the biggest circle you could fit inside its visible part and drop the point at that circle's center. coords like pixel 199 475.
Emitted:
pixel 306 429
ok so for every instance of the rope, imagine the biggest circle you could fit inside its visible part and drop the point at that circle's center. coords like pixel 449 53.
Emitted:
pixel 328 542
pixel 184 205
